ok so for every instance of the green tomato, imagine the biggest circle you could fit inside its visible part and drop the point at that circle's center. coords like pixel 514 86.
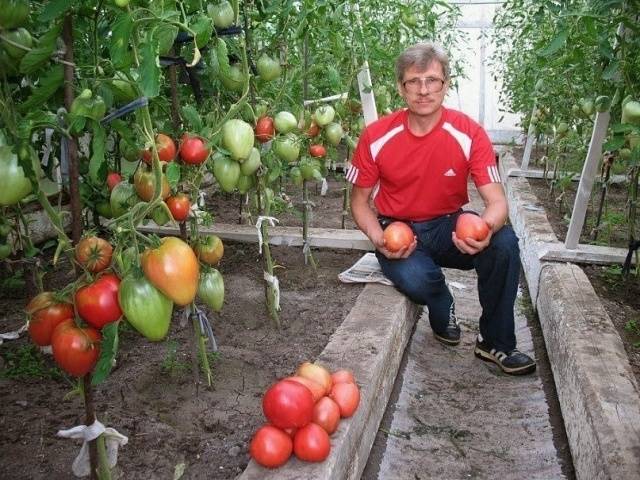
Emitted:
pixel 211 289
pixel 160 215
pixel 334 133
pixel 285 122
pixel 121 3
pixel 222 14
pixel 14 13
pixel 631 112
pixel 123 197
pixel 5 250
pixel 20 36
pixel 587 106
pixel 324 115
pixel 625 153
pixel 603 103
pixel 287 147
pixel 234 79
pixel 226 171
pixel 129 152
pixel 237 138
pixel 104 209
pixel 296 176
pixel 14 184
pixel 88 105
pixel 146 308
pixel 123 90
pixel 251 164
pixel 245 183
pixel 268 68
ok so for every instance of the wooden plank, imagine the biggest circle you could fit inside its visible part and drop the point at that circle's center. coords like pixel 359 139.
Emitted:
pixel 518 172
pixel 592 254
pixel 585 186
pixel 288 236
pixel 369 109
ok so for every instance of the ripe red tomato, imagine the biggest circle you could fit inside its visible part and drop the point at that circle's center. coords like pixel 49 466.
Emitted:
pixel 45 314
pixel 94 253
pixel 313 130
pixel 316 389
pixel 113 178
pixel 173 269
pixel 326 413
pixel 179 205
pixel 97 303
pixel 270 447
pixel 342 376
pixel 317 151
pixel 470 225
pixel 166 149
pixel 312 443
pixel 193 150
pixel 265 130
pixel 397 235
pixel 317 373
pixel 145 185
pixel 288 404
pixel 75 349
pixel 347 396
pixel 210 249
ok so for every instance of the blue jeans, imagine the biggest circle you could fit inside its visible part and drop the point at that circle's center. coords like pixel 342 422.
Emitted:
pixel 420 277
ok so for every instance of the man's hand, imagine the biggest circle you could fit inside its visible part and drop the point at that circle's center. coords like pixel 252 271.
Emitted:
pixel 469 245
pixel 378 242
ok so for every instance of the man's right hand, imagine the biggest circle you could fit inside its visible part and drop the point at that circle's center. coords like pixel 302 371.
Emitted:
pixel 378 241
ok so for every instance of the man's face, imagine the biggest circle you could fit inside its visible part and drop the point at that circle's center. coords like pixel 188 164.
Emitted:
pixel 423 90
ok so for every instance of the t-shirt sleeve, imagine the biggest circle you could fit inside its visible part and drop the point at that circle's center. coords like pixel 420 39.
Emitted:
pixel 483 159
pixel 363 171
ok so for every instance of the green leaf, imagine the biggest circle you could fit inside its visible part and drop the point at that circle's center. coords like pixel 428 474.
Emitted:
pixel 54 9
pixel 192 118
pixel 108 352
pixel 97 164
pixel 614 143
pixel 120 36
pixel 39 56
pixel 149 70
pixel 556 44
pixel 173 174
pixel 164 35
pixel 49 84
pixel 612 70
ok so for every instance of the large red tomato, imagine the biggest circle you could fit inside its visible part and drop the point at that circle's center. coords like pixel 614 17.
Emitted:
pixel 173 269
pixel 270 447
pixel 94 253
pixel 470 225
pixel 317 390
pixel 75 349
pixel 179 206
pixel 45 314
pixel 288 404
pixel 113 178
pixel 166 149
pixel 397 235
pixel 317 150
pixel 312 443
pixel 193 150
pixel 97 303
pixel 265 129
pixel 326 413
pixel 347 396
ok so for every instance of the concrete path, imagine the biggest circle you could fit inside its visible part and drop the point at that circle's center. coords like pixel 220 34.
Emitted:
pixel 457 417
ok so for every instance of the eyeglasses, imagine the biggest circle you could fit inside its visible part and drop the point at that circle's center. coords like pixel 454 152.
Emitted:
pixel 432 84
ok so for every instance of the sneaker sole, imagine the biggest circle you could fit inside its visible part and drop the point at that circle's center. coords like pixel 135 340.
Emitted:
pixel 487 357
pixel 446 341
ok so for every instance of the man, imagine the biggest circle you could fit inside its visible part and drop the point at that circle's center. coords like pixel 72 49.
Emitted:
pixel 415 163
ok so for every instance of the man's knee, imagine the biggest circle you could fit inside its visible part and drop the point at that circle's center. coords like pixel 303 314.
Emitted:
pixel 505 242
pixel 421 289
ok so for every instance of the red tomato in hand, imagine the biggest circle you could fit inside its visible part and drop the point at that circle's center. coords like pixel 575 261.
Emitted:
pixel 173 269
pixel 347 396
pixel 193 150
pixel 45 314
pixel 166 149
pixel 94 253
pixel 265 130
pixel 97 303
pixel 470 225
pixel 75 349
pixel 270 447
pixel 113 178
pixel 317 151
pixel 179 205
pixel 342 376
pixel 326 413
pixel 312 443
pixel 288 404
pixel 397 235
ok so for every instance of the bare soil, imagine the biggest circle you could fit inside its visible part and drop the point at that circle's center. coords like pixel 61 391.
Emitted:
pixel 151 395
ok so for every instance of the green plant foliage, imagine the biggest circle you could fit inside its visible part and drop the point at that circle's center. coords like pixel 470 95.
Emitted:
pixel 26 362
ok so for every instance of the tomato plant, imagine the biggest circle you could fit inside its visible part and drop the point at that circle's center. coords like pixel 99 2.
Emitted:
pixel 94 253
pixel 180 206
pixel 470 225
pixel 397 235
pixel 193 150
pixel 288 404
pixel 166 149
pixel 97 303
pixel 311 443
pixel 75 349
pixel 270 447
pixel 45 314
pixel 173 269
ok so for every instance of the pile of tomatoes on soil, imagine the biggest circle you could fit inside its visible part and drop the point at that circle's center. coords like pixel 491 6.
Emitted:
pixel 302 411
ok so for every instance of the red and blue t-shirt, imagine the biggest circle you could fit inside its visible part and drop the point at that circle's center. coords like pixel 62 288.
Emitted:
pixel 422 177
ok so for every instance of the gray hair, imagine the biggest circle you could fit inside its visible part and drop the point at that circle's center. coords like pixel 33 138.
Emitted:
pixel 421 55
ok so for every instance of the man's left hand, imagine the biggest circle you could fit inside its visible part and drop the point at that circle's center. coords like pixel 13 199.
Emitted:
pixel 469 245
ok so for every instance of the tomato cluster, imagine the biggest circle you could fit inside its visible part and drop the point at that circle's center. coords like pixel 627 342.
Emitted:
pixel 303 410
